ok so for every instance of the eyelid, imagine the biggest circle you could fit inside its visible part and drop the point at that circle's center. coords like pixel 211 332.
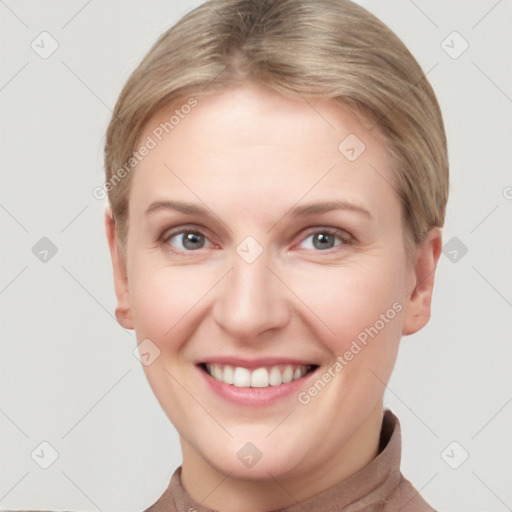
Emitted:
pixel 186 228
pixel 342 233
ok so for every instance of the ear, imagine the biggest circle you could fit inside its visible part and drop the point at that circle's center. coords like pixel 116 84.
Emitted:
pixel 123 310
pixel 417 311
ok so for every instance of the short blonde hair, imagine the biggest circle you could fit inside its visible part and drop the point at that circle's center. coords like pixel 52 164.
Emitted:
pixel 331 49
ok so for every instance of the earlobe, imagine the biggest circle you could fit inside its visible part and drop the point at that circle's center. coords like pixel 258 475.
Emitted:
pixel 123 309
pixel 417 311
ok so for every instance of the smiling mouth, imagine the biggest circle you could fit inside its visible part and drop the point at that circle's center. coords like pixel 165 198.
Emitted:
pixel 263 377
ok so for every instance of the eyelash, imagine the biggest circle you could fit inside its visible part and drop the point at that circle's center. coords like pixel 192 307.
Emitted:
pixel 343 236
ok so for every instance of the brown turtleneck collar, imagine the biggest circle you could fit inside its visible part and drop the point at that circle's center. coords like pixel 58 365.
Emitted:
pixel 379 486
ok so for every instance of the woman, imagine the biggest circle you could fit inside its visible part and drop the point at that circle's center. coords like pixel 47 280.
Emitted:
pixel 277 174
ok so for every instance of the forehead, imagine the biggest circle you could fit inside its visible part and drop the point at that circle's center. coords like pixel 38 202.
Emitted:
pixel 250 145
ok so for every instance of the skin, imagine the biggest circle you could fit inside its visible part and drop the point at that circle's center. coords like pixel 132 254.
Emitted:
pixel 250 156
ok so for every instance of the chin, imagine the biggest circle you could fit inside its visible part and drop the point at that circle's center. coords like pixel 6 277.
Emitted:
pixel 266 468
pixel 259 459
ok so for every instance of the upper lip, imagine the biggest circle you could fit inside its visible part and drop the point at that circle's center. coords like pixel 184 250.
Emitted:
pixel 255 363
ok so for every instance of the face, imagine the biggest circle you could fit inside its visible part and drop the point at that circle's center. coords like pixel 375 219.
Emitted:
pixel 266 263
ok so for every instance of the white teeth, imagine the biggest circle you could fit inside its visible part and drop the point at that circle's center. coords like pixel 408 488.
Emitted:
pixel 229 375
pixel 217 372
pixel 287 374
pixel 241 378
pixel 275 376
pixel 259 377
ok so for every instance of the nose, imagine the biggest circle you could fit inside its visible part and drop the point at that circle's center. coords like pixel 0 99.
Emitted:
pixel 251 300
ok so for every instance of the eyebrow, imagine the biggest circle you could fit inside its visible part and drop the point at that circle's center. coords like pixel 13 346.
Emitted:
pixel 297 211
pixel 178 206
pixel 319 208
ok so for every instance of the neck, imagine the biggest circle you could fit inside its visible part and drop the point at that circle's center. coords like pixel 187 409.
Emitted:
pixel 216 490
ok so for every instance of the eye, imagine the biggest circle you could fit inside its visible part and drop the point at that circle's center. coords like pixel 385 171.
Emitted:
pixel 326 239
pixel 191 239
pixel 186 240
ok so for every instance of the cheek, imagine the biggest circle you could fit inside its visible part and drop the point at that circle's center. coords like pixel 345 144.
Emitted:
pixel 165 301
pixel 360 302
pixel 164 297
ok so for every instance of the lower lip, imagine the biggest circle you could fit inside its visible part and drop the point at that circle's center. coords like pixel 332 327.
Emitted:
pixel 254 396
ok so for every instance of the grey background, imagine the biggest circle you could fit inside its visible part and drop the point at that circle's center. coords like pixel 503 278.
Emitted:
pixel 68 373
